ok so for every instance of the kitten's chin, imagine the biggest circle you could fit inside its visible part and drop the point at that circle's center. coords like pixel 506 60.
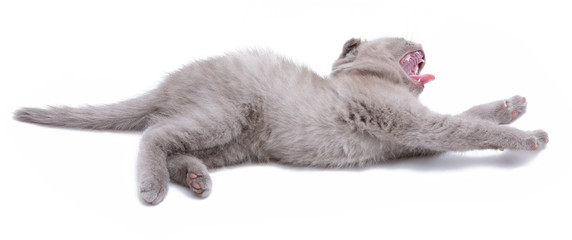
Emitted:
pixel 412 63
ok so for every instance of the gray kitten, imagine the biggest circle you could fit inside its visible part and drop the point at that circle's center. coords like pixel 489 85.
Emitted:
pixel 254 106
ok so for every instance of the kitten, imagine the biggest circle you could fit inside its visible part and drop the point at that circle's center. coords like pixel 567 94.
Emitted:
pixel 254 106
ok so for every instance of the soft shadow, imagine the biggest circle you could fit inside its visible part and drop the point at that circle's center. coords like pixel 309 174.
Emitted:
pixel 455 161
pixel 444 162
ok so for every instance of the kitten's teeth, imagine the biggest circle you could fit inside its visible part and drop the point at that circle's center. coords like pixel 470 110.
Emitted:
pixel 422 60
pixel 416 70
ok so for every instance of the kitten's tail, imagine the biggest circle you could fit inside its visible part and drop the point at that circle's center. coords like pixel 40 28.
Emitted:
pixel 129 115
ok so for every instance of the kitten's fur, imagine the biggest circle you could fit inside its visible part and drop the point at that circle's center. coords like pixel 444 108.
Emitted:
pixel 254 106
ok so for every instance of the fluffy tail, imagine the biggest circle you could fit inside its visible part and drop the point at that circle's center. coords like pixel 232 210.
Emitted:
pixel 130 115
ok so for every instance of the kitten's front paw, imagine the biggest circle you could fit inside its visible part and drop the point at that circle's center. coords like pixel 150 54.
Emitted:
pixel 511 109
pixel 537 139
pixel 152 191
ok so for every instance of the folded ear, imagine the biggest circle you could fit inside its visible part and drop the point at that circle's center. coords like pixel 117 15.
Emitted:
pixel 349 54
pixel 350 48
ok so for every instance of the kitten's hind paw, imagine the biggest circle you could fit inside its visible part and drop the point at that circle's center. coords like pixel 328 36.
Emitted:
pixel 200 183
pixel 152 192
pixel 190 172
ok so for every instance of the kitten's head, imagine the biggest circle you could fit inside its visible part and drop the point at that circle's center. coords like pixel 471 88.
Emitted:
pixel 391 59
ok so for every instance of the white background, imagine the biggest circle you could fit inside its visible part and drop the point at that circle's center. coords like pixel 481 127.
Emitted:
pixel 74 184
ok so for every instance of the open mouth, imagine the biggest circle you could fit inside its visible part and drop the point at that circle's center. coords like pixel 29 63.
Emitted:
pixel 412 63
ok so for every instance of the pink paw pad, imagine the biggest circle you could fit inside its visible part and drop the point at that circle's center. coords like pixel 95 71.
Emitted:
pixel 514 114
pixel 534 147
pixel 195 186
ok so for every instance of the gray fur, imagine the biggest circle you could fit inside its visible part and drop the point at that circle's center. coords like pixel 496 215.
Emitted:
pixel 254 106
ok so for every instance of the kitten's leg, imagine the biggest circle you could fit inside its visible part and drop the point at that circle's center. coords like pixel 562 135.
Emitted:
pixel 418 127
pixel 450 133
pixel 499 112
pixel 190 172
pixel 175 136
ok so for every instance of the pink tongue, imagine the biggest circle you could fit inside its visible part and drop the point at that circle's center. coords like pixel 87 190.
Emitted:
pixel 425 78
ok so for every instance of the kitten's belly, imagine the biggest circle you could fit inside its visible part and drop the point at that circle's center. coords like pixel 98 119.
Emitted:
pixel 328 151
